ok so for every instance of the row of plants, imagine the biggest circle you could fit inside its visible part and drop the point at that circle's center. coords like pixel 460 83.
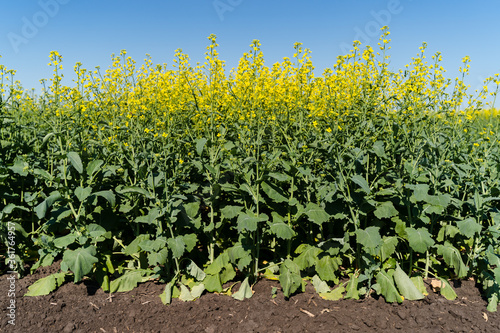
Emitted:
pixel 362 180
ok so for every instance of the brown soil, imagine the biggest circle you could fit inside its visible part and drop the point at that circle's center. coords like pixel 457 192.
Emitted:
pixel 85 308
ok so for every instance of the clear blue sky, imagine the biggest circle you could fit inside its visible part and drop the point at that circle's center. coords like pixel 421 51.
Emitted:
pixel 90 31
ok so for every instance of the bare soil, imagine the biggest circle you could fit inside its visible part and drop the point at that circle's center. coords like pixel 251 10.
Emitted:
pixel 84 307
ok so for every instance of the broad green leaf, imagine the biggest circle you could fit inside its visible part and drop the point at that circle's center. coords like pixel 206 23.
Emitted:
pixel 228 273
pixel 80 261
pixel 282 177
pixel 166 295
pixel 290 279
pixel 326 267
pixel 75 161
pixel 369 237
pixel 230 212
pixel 453 258
pixel 195 271
pixel 469 227
pixel 158 258
pixel 420 192
pixel 308 255
pixel 129 281
pixel 385 287
pixel 150 218
pixel 388 247
pixel 274 192
pixel 240 256
pixel 378 149
pixel 108 195
pixel 248 222
pixel 197 290
pixel 190 240
pixel 134 247
pixel 316 214
pixel 177 246
pixel 406 286
pixel 361 182
pixel 133 189
pixel 319 285
pixel 212 283
pixel 43 173
pixel 185 294
pixel 46 285
pixel 82 193
pixel 420 239
pixel 446 290
pixel 492 302
pixel 281 230
pixel 245 291
pixel 333 295
pixel 64 241
pixel 192 208
pixel 200 143
pixel 418 281
pixel 218 265
pixel 385 210
pixel 93 167
pixel 20 167
pixel 352 289
pixel 43 207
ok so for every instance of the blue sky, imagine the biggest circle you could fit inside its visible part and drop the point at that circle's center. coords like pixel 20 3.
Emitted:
pixel 90 31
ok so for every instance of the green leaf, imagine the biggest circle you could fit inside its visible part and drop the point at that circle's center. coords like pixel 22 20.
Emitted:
pixel 20 167
pixel 290 279
pixel 352 289
pixel 200 143
pixel 333 295
pixel 212 283
pixel 361 182
pixel 281 229
pixel 185 294
pixel 177 246
pixel 274 192
pixel 308 255
pixel 166 295
pixel 378 149
pixel 245 291
pixel 406 286
pixel 82 193
pixel 388 247
pixel 420 239
pixel 80 261
pixel 385 210
pixel 248 222
pixel 46 285
pixel 75 161
pixel 43 207
pixel 453 258
pixel 195 271
pixel 446 290
pixel 197 290
pixel 385 287
pixel 133 189
pixel 64 241
pixel 129 280
pixel 420 192
pixel 190 240
pixel 93 167
pixel 469 227
pixel 316 214
pixel 150 218
pixel 108 195
pixel 319 285
pixel 158 258
pixel 134 247
pixel 326 267
pixel 418 281
pixel 230 212
pixel 369 237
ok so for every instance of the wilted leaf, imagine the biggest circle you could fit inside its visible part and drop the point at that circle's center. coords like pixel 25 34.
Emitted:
pixel 245 291
pixel 406 286
pixel 46 285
